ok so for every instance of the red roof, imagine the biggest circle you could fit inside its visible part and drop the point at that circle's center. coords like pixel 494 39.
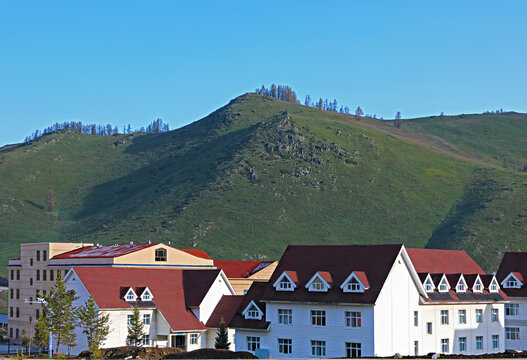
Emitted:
pixel 173 291
pixel 105 251
pixel 326 276
pixel 239 269
pixel 514 262
pixel 436 261
pixel 226 309
pixel 363 279
pixel 197 252
pixel 375 261
pixel 237 320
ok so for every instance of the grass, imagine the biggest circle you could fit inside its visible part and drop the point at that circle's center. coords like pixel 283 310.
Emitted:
pixel 216 184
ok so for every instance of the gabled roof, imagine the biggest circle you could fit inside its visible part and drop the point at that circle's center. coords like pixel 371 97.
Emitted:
pixel 240 269
pixel 514 262
pixel 197 253
pixel 436 261
pixel 105 251
pixel 303 261
pixel 236 306
pixel 176 290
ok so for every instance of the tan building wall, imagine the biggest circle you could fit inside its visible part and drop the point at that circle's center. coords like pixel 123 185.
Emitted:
pixel 175 258
pixel 241 286
pixel 28 276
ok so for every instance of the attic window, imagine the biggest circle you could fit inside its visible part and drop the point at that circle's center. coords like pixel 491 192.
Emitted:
pixel 130 296
pixel 461 286
pixel 477 286
pixel 353 285
pixel 494 286
pixel 252 311
pixel 161 254
pixel 443 287
pixel 511 283
pixel 285 284
pixel 428 286
pixel 317 285
pixel 146 296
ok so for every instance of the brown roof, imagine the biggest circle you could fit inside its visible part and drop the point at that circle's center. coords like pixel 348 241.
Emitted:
pixel 255 293
pixel 226 309
pixel 436 261
pixel 514 262
pixel 375 261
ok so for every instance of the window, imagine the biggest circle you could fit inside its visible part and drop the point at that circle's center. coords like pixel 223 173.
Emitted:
pixel 416 318
pixel 428 286
pixel 461 286
pixel 511 283
pixel 512 309
pixel 479 342
pixel 17 333
pixel 494 287
pixel 494 315
pixel 37 313
pixel 129 319
pixel 444 317
pixel 146 340
pixel 11 311
pixel 44 292
pixel 18 293
pixel 45 255
pixel 477 286
pixel 353 319
pixel 18 274
pixel 416 348
pixel 317 285
pixel 146 319
pixel 462 316
pixel 30 300
pixel 285 346
pixel 11 293
pixel 38 255
pixel 10 332
pixel 44 275
pixel 193 339
pixel 161 254
pixel 31 262
pixel 353 285
pixel 38 275
pixel 512 333
pixel 30 281
pixel 443 286
pixel 495 341
pixel 12 274
pixel 318 317
pixel 146 296
pixel 479 315
pixel 444 346
pixel 285 284
pixel 429 328
pixel 285 316
pixel 17 312
pixel 51 275
pixel 253 343
pixel 318 348
pixel 462 344
pixel 130 296
pixel 252 313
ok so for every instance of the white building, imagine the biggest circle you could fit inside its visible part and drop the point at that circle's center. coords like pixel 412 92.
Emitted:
pixel 174 304
pixel 512 276
pixel 368 300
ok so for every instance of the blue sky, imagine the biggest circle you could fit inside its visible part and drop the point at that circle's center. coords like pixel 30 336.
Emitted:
pixel 131 62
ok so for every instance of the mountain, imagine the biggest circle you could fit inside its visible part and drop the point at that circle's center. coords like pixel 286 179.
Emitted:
pixel 259 174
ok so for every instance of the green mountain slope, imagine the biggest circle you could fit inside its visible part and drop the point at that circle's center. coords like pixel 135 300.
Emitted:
pixel 253 177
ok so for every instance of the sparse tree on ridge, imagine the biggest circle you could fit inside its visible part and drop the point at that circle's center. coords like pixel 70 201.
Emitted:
pixel 398 115
pixel 50 200
pixel 359 111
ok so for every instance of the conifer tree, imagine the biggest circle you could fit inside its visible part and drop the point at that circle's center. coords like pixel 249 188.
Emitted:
pixel 136 334
pixel 41 333
pixel 94 325
pixel 222 337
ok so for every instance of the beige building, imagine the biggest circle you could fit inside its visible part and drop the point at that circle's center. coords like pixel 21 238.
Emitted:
pixel 39 264
pixel 242 274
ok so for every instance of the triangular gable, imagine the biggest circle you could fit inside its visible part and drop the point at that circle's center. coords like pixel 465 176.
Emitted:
pixel 354 283
pixel 444 285
pixel 320 282
pixel 130 295
pixel 287 277
pixel 252 311
pixel 428 284
pixel 461 285
pixel 478 285
pixel 146 295
pixel 494 286
pixel 512 281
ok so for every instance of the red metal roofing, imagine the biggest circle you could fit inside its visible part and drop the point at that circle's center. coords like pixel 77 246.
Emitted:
pixel 292 275
pixel 105 251
pixel 226 309
pixel 514 262
pixel 363 278
pixel 375 261
pixel 237 269
pixel 518 275
pixel 436 261
pixel 326 276
pixel 174 291
pixel 197 252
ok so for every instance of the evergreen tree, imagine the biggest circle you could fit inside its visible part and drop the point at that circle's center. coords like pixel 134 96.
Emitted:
pixel 359 111
pixel 398 115
pixel 41 333
pixel 136 334
pixel 222 337
pixel 94 325
pixel 60 313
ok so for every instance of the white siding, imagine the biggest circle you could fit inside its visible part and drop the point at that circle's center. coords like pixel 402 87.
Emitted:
pixel 519 321
pixel 218 288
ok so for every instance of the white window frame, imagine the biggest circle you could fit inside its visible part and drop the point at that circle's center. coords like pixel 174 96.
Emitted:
pixel 352 347
pixel 494 315
pixel 479 316
pixel 495 341
pixel 284 283
pixel 461 284
pixel 445 346
pixel 252 312
pixel 285 316
pixel 318 316
pixel 252 342
pixel 352 284
pixel 147 295
pixel 512 333
pixel 515 283
pixel 462 342
pixel 318 348
pixel 285 346
pixel 462 316
pixel 318 284
pixel 479 343
pixel 429 284
pixel 444 317
pixel 193 339
pixel 353 319
pixel 512 309
pixel 443 285
pixel 147 319
pixel 130 295
pixel 129 319
pixel 478 285
pixel 494 287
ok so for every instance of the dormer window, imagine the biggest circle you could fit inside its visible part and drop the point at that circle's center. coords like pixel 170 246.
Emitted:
pixel 146 295
pixel 161 254
pixel 461 285
pixel 478 286
pixel 130 295
pixel 318 285
pixel 443 285
pixel 429 285
pixel 355 283
pixel 494 286
pixel 284 282
pixel 511 283
pixel 252 311
pixel 320 282
pixel 514 280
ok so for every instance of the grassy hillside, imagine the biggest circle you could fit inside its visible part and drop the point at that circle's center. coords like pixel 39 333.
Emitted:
pixel 254 176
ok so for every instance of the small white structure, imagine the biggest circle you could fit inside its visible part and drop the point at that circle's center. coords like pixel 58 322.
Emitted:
pixel 512 276
pixel 174 304
pixel 368 300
